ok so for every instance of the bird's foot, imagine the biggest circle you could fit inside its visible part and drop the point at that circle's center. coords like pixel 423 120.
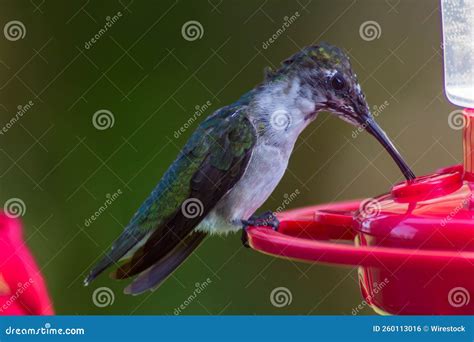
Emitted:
pixel 267 219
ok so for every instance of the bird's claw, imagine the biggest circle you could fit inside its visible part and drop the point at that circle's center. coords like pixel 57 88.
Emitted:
pixel 267 219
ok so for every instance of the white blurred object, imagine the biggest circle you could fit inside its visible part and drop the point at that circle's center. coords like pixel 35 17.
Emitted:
pixel 458 36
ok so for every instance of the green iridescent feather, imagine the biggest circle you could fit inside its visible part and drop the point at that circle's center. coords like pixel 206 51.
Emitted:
pixel 221 145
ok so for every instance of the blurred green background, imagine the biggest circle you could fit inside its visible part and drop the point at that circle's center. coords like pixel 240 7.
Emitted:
pixel 151 79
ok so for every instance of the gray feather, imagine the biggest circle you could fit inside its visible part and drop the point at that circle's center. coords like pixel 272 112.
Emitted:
pixel 156 274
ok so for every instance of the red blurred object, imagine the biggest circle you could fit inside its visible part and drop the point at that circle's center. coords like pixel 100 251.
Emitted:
pixel 414 245
pixel 22 288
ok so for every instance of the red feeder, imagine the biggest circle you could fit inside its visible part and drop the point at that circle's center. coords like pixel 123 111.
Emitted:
pixel 414 245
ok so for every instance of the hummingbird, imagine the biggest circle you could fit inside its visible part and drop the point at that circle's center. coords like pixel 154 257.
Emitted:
pixel 232 163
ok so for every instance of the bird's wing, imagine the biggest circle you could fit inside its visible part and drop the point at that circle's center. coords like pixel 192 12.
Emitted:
pixel 153 276
pixel 212 161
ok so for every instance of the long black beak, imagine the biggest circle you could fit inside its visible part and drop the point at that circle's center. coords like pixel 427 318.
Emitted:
pixel 373 128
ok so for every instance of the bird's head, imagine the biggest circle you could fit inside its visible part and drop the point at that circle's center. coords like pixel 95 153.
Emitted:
pixel 325 71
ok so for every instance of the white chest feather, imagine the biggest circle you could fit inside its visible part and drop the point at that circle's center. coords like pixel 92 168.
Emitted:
pixel 270 156
pixel 265 170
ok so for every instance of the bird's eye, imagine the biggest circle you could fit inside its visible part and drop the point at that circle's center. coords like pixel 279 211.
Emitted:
pixel 338 82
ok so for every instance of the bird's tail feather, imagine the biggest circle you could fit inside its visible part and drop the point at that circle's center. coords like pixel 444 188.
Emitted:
pixel 158 272
pixel 126 242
